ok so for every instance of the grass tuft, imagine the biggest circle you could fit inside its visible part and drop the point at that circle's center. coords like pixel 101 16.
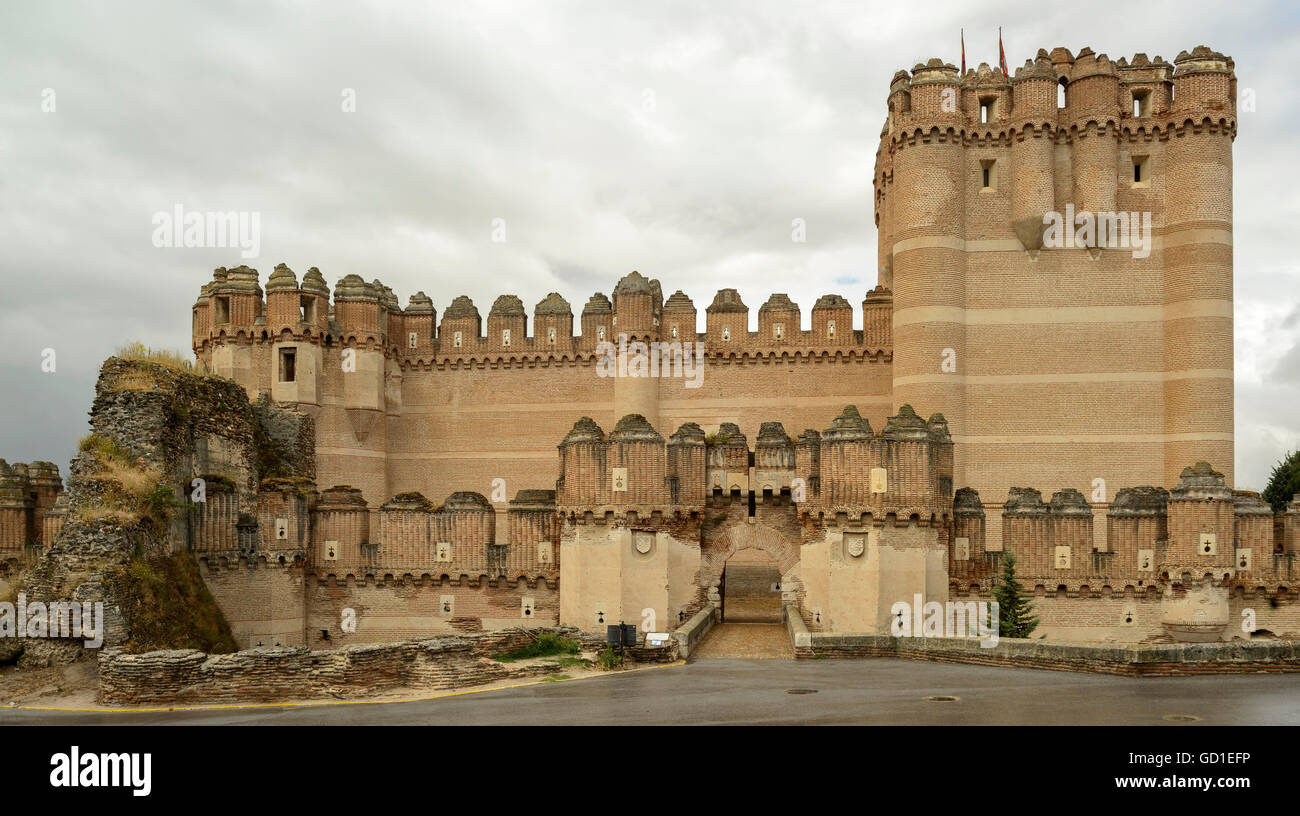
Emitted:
pixel 548 644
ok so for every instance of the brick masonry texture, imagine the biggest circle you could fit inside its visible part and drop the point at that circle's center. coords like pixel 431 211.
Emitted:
pixel 439 475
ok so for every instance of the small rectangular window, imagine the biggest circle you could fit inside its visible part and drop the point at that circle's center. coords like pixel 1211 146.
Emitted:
pixel 288 357
pixel 986 173
pixel 307 309
pixel 412 340
pixel 1141 104
pixel 988 109
pixel 1141 176
pixel 222 312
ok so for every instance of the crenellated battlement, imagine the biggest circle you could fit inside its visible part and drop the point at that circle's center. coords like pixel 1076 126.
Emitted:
pixel 233 310
pixel 1141 93
pixel 1198 533
pixel 847 471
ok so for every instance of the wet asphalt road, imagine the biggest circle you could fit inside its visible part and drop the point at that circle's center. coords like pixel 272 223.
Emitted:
pixel 735 691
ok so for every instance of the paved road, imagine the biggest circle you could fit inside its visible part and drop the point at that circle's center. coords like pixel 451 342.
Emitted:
pixel 875 691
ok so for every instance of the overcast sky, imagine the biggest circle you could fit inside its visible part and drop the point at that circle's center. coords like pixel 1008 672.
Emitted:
pixel 679 139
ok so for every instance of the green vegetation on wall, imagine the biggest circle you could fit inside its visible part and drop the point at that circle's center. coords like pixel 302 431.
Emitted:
pixel 170 607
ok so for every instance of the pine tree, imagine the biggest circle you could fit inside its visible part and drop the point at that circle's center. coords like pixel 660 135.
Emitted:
pixel 1284 483
pixel 1014 608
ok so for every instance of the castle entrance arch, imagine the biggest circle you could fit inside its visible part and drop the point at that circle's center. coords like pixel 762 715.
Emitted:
pixel 747 568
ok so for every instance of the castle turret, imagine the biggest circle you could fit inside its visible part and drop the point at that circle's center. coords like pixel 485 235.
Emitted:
pixel 1197 252
pixel 236 318
pixel 878 319
pixel 636 324
pixel 687 466
pixel 929 230
pixel 966 556
pixel 597 317
pixel 362 367
pixel 778 321
pixel 461 327
pixel 296 352
pixel 1092 100
pixel 637 305
pixel 832 321
pixel 638 463
pixel 583 464
pixel 679 318
pixel 1033 150
pixel 553 323
pixel 774 462
pixel 507 325
pixel 1137 531
pixel 726 321
pixel 419 322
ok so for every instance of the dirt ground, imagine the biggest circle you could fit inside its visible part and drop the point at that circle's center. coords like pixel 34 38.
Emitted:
pixel 74 686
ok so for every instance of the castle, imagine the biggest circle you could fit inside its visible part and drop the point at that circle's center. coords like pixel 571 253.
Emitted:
pixel 1084 368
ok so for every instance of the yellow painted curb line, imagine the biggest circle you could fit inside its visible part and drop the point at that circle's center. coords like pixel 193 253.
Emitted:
pixel 319 703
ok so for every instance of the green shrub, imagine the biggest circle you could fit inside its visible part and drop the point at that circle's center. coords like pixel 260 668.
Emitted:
pixel 609 659
pixel 546 645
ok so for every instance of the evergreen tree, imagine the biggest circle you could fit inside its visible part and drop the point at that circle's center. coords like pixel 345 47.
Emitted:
pixel 1284 483
pixel 1014 608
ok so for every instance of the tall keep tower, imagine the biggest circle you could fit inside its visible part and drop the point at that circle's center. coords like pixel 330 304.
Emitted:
pixel 1066 357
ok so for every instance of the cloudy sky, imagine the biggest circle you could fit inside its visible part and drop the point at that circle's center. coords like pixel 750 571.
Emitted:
pixel 676 138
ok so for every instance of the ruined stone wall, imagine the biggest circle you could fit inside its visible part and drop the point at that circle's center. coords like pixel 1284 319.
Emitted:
pixel 296 673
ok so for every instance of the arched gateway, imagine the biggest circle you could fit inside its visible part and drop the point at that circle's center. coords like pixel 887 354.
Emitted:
pixel 847 522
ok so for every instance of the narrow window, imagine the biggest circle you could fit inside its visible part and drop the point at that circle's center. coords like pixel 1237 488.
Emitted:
pixel 986 173
pixel 287 359
pixel 1060 94
pixel 830 329
pixel 412 340
pixel 455 339
pixel 726 334
pixel 674 332
pixel 988 109
pixel 550 335
pixel 1141 104
pixel 307 309
pixel 223 310
pixel 1140 174
pixel 778 330
pixel 505 337
pixel 600 333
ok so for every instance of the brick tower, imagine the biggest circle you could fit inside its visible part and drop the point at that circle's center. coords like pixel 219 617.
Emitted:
pixel 1064 363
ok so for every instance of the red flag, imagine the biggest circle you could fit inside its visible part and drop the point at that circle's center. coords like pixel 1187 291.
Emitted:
pixel 1002 55
pixel 963 52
